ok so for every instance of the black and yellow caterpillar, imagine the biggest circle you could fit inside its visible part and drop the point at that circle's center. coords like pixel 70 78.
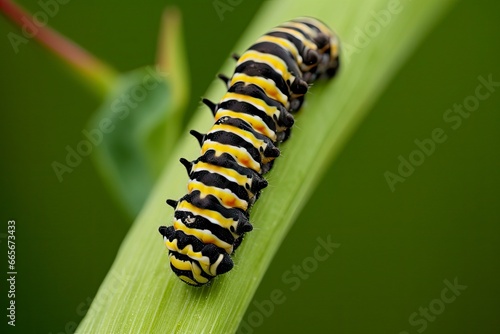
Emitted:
pixel 255 114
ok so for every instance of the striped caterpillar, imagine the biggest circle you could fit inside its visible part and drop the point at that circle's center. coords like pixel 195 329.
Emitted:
pixel 255 114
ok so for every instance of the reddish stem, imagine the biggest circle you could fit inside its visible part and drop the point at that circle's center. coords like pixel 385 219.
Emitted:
pixel 77 57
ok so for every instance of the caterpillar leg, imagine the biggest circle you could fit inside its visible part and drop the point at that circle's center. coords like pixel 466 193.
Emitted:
pixel 212 106
pixel 235 56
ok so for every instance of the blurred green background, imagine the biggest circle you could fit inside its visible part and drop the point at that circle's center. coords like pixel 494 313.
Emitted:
pixel 396 248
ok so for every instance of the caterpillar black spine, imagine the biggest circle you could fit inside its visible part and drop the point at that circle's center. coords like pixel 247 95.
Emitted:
pixel 251 119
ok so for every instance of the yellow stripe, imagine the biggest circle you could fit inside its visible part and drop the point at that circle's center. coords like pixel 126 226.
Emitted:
pixel 203 261
pixel 286 44
pixel 241 155
pixel 197 273
pixel 269 110
pixel 302 26
pixel 188 250
pixel 213 267
pixel 226 197
pixel 275 62
pixel 204 235
pixel 179 264
pixel 256 122
pixel 318 24
pixel 335 51
pixel 267 84
pixel 229 173
pixel 325 30
pixel 298 35
pixel 213 216
pixel 246 135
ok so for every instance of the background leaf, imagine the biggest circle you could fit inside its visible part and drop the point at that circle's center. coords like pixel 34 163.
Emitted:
pixel 145 111
pixel 142 129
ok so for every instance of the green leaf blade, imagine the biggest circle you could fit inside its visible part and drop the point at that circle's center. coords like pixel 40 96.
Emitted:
pixel 137 108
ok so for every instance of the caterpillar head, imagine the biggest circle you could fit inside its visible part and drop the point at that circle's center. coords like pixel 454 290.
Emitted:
pixel 192 261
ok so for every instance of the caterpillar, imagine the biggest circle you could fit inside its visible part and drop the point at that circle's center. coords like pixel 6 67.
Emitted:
pixel 255 115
